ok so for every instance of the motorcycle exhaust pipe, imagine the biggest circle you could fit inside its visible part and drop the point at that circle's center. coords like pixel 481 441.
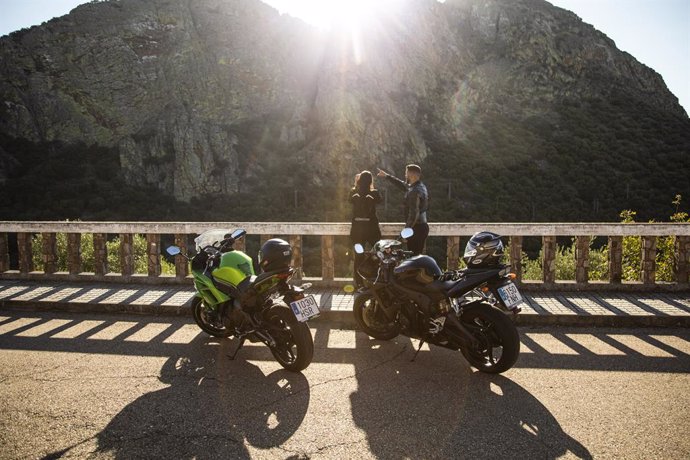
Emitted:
pixel 459 332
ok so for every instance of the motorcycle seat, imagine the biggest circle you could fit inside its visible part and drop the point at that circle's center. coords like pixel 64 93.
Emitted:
pixel 434 286
pixel 254 279
pixel 444 286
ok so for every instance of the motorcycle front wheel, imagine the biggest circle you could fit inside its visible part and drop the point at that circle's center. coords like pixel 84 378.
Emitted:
pixel 294 346
pixel 208 320
pixel 372 319
pixel 497 341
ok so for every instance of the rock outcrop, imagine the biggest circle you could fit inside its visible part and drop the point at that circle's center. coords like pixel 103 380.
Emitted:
pixel 199 95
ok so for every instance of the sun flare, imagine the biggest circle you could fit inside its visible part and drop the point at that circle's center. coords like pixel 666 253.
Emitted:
pixel 331 14
pixel 350 20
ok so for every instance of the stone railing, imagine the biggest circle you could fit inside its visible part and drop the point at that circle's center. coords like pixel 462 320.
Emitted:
pixel 180 233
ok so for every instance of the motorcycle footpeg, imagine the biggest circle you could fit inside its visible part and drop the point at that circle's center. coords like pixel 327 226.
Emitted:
pixel 253 338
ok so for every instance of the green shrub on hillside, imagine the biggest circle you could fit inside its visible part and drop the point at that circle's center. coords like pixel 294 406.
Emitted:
pixel 599 258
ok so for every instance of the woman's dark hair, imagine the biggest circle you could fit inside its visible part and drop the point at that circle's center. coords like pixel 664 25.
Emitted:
pixel 364 182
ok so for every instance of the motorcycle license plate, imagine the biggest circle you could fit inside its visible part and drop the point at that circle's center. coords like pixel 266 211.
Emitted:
pixel 510 296
pixel 305 308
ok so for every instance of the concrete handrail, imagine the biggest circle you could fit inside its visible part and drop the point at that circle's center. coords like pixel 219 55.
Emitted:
pixel 343 228
pixel 648 232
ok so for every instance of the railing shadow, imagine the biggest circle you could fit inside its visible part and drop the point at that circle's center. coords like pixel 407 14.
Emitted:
pixel 175 336
pixel 215 407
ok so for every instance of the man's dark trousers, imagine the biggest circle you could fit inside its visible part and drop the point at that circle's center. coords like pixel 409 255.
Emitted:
pixel 416 242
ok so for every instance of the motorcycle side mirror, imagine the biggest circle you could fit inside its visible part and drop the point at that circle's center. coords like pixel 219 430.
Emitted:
pixel 359 249
pixel 406 233
pixel 239 233
pixel 173 250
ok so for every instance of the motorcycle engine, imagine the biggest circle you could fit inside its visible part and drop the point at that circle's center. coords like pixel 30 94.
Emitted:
pixel 408 318
pixel 234 318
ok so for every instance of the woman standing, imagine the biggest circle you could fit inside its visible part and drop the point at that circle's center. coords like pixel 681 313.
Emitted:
pixel 365 225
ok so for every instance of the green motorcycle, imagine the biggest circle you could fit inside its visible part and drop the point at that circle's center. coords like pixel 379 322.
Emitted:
pixel 231 300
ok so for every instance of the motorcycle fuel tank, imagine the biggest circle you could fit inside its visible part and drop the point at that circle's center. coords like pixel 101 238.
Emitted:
pixel 234 267
pixel 423 268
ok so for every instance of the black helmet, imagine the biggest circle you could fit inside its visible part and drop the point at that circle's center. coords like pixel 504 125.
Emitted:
pixel 484 249
pixel 422 268
pixel 275 254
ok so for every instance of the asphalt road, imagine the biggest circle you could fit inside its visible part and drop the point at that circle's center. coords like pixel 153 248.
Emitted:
pixel 103 386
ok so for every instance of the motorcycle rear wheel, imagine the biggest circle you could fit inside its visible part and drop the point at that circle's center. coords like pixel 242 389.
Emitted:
pixel 498 342
pixel 294 348
pixel 204 318
pixel 372 320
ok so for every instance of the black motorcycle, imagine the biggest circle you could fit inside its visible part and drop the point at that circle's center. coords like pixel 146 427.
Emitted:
pixel 468 310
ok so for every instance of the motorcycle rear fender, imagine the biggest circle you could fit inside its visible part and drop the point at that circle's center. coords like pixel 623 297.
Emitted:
pixel 292 293
pixel 471 281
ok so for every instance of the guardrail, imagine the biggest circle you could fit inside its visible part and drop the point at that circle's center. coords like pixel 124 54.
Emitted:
pixel 294 232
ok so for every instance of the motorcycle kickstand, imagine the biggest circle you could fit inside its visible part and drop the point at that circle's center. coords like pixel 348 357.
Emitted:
pixel 421 343
pixel 239 347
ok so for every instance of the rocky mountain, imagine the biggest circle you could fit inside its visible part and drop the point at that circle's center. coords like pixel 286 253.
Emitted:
pixel 513 107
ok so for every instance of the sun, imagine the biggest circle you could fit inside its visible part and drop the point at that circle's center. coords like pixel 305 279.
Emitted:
pixel 347 20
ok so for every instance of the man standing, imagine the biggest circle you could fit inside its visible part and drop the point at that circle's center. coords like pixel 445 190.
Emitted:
pixel 416 205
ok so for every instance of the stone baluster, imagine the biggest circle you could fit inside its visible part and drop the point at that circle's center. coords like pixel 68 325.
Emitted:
pixel 681 259
pixel 327 258
pixel 74 253
pixel 4 253
pixel 100 254
pixel 297 260
pixel 648 259
pixel 26 263
pixel 582 259
pixel 49 251
pixel 181 264
pixel 615 259
pixel 153 251
pixel 549 259
pixel 452 252
pixel 516 257
pixel 126 254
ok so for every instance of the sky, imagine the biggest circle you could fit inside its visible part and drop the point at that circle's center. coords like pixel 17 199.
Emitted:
pixel 655 32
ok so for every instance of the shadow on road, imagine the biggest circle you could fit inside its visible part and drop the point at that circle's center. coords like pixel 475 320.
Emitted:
pixel 212 409
pixel 434 409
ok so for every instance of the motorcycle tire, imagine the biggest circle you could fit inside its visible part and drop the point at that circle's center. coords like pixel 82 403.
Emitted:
pixel 369 320
pixel 294 347
pixel 202 316
pixel 494 332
